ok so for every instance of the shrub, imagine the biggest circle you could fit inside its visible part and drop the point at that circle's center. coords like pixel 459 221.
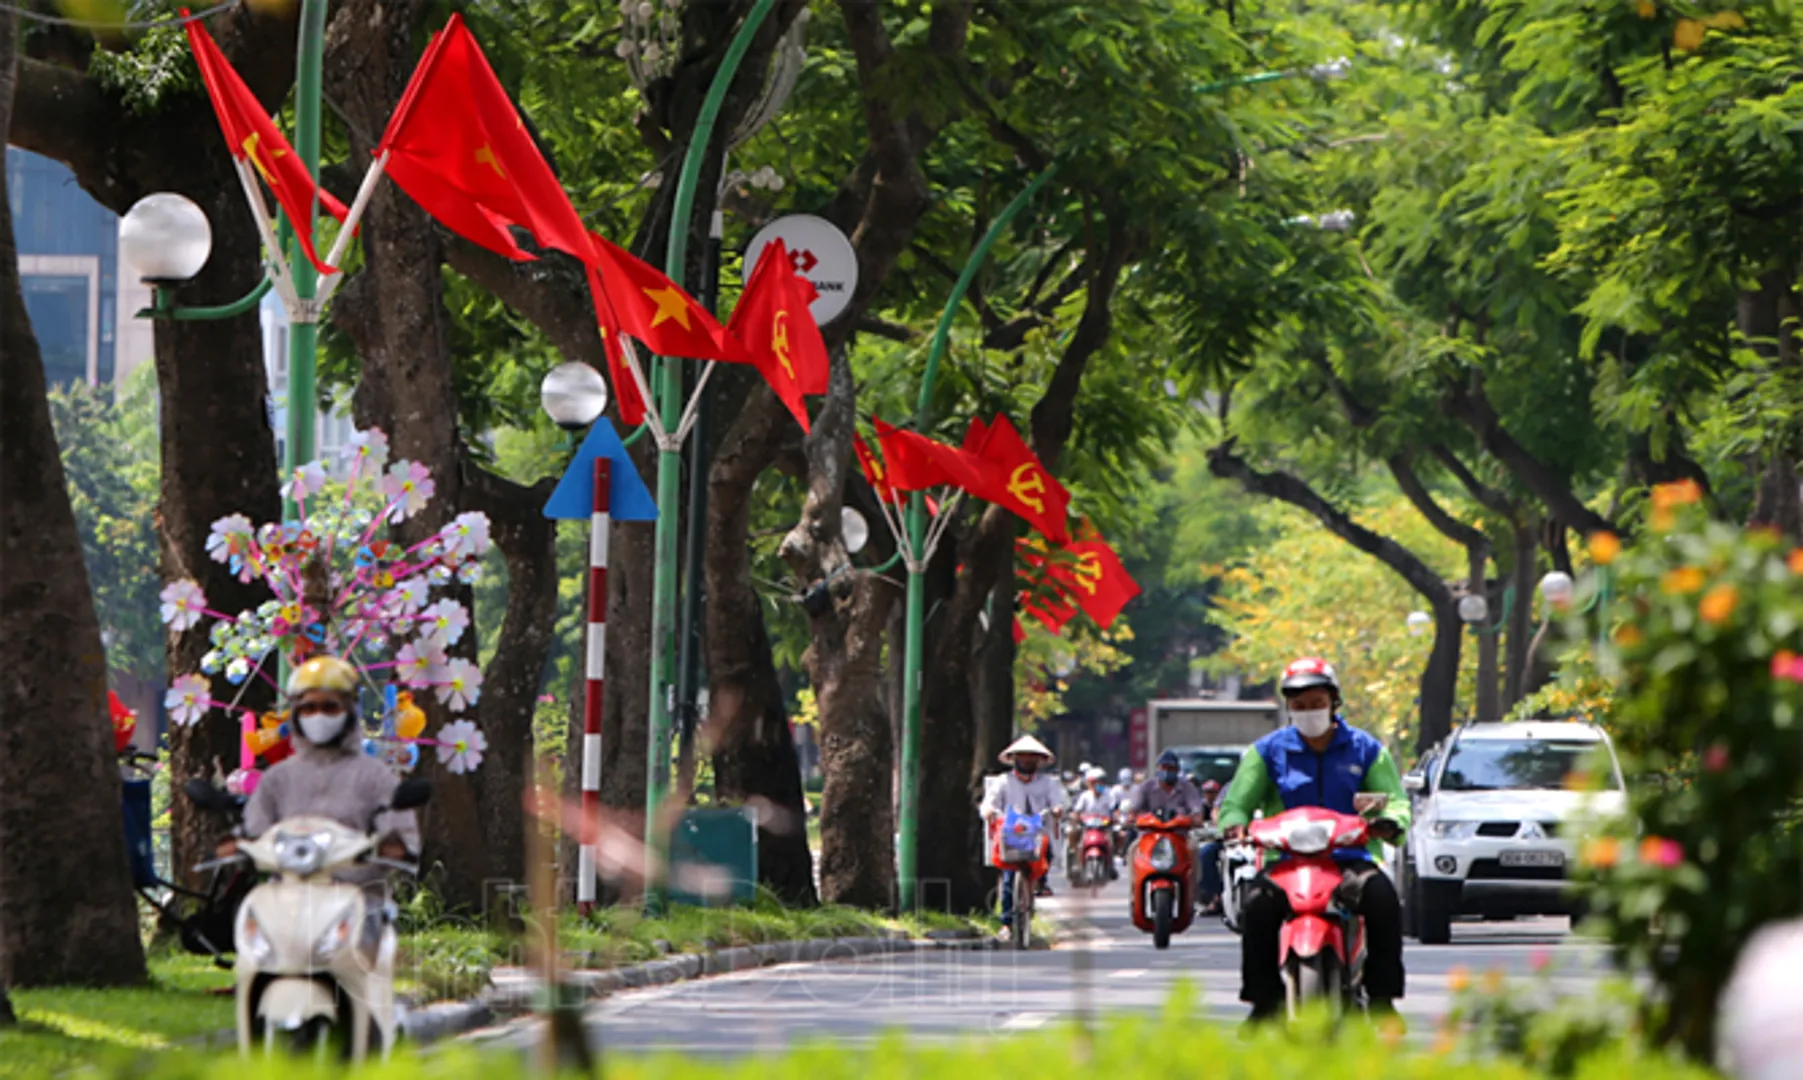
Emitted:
pixel 1706 628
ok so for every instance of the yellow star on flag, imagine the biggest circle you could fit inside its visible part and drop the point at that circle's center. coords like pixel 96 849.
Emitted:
pixel 671 304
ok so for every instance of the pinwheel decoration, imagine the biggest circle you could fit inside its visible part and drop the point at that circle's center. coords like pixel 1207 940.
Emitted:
pixel 340 586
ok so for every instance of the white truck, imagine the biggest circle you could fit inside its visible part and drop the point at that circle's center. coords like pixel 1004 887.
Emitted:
pixel 1207 733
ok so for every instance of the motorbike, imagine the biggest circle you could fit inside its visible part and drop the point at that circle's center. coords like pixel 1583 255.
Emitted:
pixel 1239 869
pixel 1019 842
pixel 315 957
pixel 1095 848
pixel 1322 945
pixel 1164 876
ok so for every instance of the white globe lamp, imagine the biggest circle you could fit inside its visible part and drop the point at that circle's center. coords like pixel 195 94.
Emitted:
pixel 165 238
pixel 574 395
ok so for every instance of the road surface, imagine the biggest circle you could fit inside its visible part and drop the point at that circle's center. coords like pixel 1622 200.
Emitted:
pixel 1104 965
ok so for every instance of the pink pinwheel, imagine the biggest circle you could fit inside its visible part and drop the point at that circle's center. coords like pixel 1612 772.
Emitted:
pixel 420 663
pixel 188 699
pixel 407 597
pixel 407 486
pixel 368 450
pixel 460 746
pixel 183 604
pixel 460 684
pixel 444 622
pixel 466 537
pixel 231 535
pixel 309 479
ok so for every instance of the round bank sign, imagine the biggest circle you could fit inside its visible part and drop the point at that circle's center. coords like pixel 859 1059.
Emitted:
pixel 820 252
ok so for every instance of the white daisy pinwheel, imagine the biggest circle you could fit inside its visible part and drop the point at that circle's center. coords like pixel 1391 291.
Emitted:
pixel 460 746
pixel 183 604
pixel 460 684
pixel 188 699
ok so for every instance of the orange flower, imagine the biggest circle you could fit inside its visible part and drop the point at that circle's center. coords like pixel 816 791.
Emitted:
pixel 1677 493
pixel 1660 519
pixel 1717 606
pixel 1627 635
pixel 1660 852
pixel 1688 34
pixel 1795 560
pixel 1604 548
pixel 1646 9
pixel 1493 981
pixel 1681 582
pixel 1458 979
pixel 1601 852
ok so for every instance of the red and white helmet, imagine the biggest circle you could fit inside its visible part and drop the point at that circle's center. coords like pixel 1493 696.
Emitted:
pixel 1307 673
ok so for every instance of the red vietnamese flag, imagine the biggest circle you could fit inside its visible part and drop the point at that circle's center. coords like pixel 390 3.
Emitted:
pixel 873 471
pixel 1095 579
pixel 458 146
pixel 1018 482
pixel 250 134
pixel 626 388
pixel 916 462
pixel 773 323
pixel 639 300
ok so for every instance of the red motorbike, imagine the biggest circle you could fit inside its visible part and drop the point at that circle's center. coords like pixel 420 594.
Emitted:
pixel 1321 948
pixel 1095 848
pixel 1164 876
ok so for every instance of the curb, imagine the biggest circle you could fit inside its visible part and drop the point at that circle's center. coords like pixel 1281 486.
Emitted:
pixel 516 991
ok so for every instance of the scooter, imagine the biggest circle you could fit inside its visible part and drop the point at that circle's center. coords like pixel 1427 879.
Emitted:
pixel 1164 876
pixel 1096 851
pixel 1321 947
pixel 1239 869
pixel 315 963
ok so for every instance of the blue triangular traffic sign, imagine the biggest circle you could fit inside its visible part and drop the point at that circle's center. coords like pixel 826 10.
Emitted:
pixel 628 499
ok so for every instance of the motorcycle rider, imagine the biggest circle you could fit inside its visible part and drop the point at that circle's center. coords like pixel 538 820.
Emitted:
pixel 1318 760
pixel 329 775
pixel 1096 800
pixel 1027 788
pixel 1168 789
pixel 1209 857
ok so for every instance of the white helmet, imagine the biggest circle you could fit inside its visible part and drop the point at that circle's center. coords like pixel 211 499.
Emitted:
pixel 1095 773
pixel 1759 1036
pixel 1125 776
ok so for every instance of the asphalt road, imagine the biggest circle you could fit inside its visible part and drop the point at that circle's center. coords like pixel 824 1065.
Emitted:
pixel 1105 965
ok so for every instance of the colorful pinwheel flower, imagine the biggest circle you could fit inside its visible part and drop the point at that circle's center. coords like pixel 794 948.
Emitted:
pixel 460 746
pixel 183 604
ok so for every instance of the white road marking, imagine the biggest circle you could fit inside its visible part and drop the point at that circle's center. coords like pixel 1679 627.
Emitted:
pixel 1129 973
pixel 1026 1021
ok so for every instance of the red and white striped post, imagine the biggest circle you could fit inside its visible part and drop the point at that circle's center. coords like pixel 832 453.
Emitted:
pixel 596 670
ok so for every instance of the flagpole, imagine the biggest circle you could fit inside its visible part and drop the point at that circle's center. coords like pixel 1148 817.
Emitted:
pixel 909 841
pixel 669 458
pixel 303 313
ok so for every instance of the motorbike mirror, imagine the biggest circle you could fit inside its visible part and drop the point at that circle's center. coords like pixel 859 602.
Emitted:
pixel 411 793
pixel 1414 782
pixel 209 796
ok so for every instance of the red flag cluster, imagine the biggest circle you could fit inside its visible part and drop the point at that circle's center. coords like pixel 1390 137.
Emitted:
pixel 460 149
pixel 1085 575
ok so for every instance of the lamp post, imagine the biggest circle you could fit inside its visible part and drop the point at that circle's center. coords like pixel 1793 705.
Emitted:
pixel 1418 622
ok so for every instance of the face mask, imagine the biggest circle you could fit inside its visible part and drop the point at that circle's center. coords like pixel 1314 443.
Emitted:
pixel 1167 777
pixel 321 729
pixel 1313 723
pixel 1026 768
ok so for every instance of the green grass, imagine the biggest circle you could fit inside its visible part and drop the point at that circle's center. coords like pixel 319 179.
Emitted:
pixel 60 1028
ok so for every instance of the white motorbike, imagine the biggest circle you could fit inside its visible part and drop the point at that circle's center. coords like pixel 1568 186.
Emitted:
pixel 1240 863
pixel 315 958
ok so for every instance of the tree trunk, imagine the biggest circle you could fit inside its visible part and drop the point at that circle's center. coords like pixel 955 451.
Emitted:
pixel 994 682
pixel 845 666
pixel 1440 678
pixel 1488 650
pixel 7 1017
pixel 67 914
pixel 1768 318
pixel 747 727
pixel 1524 579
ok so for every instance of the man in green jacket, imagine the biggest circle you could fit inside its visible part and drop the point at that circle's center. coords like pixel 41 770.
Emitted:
pixel 1319 760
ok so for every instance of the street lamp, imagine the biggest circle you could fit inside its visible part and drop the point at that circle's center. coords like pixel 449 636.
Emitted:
pixel 165 238
pixel 1473 609
pixel 1558 589
pixel 573 395
pixel 854 528
pixel 1418 622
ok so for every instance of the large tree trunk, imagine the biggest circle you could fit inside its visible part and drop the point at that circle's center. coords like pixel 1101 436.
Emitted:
pixel 994 685
pixel 67 914
pixel 747 727
pixel 1524 579
pixel 1440 678
pixel 218 456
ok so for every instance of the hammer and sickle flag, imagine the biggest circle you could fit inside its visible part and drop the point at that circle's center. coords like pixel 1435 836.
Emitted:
pixel 773 324
pixel 1017 479
pixel 252 136
pixel 1093 576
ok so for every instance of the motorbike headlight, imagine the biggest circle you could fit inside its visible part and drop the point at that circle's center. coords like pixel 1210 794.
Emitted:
pixel 1309 838
pixel 253 944
pixel 1164 854
pixel 1452 830
pixel 302 854
pixel 335 939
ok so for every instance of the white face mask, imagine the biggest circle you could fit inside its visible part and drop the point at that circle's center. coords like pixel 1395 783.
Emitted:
pixel 324 728
pixel 1313 723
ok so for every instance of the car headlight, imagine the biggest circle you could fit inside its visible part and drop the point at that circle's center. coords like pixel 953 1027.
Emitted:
pixel 335 939
pixel 1164 855
pixel 1452 830
pixel 253 944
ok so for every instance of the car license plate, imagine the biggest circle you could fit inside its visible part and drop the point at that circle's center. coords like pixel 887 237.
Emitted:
pixel 1533 858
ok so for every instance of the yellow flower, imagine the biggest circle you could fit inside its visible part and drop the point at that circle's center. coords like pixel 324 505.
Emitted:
pixel 1458 980
pixel 1688 34
pixel 1627 635
pixel 1681 582
pixel 1601 852
pixel 1493 981
pixel 1718 604
pixel 1724 20
pixel 1444 1043
pixel 1604 548
pixel 1646 9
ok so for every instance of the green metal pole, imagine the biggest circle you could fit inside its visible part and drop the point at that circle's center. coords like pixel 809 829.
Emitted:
pixel 909 847
pixel 1243 80
pixel 669 460
pixel 303 325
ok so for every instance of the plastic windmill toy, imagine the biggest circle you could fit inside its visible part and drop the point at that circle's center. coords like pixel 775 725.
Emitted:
pixel 340 586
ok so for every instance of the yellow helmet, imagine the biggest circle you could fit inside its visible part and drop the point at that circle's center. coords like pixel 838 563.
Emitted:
pixel 323 673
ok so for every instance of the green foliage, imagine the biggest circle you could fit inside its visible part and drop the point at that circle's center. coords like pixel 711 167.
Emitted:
pixel 1708 702
pixel 60 1028
pixel 1533 1022
pixel 110 461
pixel 154 71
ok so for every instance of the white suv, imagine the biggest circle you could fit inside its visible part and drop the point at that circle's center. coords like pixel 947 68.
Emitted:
pixel 1496 824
